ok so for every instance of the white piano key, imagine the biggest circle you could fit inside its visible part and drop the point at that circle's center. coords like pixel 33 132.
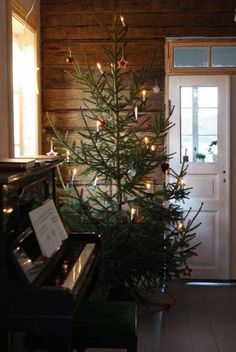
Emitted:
pixel 79 266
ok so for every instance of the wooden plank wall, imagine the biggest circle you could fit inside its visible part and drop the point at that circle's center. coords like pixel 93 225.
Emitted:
pixel 68 23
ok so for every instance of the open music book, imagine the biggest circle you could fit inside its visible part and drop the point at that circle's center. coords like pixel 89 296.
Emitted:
pixel 48 227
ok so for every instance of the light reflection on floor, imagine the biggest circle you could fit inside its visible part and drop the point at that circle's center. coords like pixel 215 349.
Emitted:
pixel 206 283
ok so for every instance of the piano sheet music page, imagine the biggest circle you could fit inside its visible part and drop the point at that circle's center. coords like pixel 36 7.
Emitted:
pixel 60 229
pixel 48 227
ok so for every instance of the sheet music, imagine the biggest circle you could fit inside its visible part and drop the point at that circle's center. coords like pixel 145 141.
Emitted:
pixel 60 229
pixel 48 228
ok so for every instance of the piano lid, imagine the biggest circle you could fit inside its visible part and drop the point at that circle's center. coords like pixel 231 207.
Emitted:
pixel 8 176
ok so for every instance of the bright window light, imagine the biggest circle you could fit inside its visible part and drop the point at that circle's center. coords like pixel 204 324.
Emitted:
pixel 25 90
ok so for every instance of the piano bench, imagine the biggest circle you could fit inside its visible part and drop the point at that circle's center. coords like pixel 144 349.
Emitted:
pixel 105 325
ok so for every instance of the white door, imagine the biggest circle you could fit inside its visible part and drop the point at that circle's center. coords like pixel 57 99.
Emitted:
pixel 201 135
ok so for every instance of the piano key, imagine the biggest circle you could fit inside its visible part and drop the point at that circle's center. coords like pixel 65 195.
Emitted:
pixel 77 270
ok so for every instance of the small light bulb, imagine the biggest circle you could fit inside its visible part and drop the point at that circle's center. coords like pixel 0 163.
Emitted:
pixel 65 267
pixel 74 174
pixel 122 21
pixel 153 147
pixel 100 68
pixel 98 125
pixel 67 156
pixel 95 182
pixel 27 261
pixel 132 212
pixel 181 226
pixel 136 112
pixel 180 182
pixel 144 95
pixel 146 140
pixel 8 210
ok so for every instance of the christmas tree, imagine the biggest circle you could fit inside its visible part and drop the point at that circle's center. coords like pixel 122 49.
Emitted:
pixel 131 196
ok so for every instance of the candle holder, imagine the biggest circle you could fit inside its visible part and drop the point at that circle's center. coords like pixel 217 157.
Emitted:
pixel 52 152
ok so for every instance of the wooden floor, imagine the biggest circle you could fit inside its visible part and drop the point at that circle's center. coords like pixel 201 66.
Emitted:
pixel 203 319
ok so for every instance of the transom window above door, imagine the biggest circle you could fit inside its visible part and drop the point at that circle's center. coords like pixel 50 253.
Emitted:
pixel 198 56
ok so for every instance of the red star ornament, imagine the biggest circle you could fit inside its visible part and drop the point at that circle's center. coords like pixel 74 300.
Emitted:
pixel 102 125
pixel 148 127
pixel 138 219
pixel 122 62
pixel 187 271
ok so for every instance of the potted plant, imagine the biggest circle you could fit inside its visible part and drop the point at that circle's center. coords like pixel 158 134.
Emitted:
pixel 213 150
pixel 200 158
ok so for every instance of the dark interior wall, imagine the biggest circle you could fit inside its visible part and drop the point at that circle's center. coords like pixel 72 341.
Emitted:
pixel 68 23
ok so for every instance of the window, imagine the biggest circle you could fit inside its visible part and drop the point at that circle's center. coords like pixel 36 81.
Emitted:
pixel 201 56
pixel 190 57
pixel 25 100
pixel 199 115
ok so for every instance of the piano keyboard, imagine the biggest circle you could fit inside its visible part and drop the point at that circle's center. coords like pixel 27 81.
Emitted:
pixel 77 270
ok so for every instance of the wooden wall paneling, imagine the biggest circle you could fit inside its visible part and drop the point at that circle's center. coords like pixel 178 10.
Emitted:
pixel 140 20
pixel 135 33
pixel 72 120
pixel 57 99
pixel 57 53
pixel 140 6
pixel 56 77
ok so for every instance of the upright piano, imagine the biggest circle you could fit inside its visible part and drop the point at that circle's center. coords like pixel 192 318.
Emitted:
pixel 37 294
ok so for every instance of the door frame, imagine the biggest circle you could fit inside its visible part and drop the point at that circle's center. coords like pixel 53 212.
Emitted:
pixel 227 265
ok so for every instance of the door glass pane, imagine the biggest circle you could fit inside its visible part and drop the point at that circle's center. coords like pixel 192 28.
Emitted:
pixel 223 56
pixel 187 97
pixel 191 57
pixel 187 123
pixel 207 121
pixel 199 123
pixel 207 97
